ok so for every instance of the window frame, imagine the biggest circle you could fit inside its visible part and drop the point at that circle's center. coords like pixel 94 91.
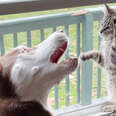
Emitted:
pixel 40 5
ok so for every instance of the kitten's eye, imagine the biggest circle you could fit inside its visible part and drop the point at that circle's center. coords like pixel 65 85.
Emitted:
pixel 114 21
pixel 106 28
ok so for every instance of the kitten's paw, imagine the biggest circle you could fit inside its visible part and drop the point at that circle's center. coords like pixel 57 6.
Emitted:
pixel 83 57
pixel 109 108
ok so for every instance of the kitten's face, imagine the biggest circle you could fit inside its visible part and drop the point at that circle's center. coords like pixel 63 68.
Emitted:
pixel 106 29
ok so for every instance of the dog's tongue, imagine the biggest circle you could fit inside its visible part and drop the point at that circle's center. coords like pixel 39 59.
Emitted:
pixel 58 53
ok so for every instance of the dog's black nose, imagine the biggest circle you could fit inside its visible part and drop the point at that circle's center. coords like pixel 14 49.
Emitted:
pixel 113 48
pixel 60 30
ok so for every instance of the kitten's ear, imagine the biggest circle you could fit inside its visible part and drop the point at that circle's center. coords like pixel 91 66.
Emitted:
pixel 108 10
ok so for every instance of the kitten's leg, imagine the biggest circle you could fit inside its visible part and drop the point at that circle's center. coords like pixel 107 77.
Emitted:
pixel 109 108
pixel 94 55
pixel 98 58
pixel 111 105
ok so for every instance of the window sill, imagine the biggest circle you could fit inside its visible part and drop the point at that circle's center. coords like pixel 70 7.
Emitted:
pixel 91 110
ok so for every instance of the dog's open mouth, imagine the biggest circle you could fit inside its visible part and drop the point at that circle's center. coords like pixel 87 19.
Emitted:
pixel 58 53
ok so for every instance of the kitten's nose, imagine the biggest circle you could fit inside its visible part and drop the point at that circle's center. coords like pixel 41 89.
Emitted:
pixel 101 31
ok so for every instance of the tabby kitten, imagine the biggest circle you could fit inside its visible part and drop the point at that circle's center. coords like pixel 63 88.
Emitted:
pixel 106 56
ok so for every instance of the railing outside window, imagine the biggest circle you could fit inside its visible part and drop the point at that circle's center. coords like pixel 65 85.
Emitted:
pixel 81 87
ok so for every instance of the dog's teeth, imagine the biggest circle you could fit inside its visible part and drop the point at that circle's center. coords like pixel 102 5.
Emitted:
pixel 61 49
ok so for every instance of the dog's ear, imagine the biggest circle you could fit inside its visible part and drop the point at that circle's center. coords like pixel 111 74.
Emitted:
pixel 0 68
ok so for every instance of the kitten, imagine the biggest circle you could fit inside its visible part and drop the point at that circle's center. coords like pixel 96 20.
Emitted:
pixel 106 56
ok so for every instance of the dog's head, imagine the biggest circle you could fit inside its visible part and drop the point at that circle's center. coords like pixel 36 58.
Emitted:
pixel 36 70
